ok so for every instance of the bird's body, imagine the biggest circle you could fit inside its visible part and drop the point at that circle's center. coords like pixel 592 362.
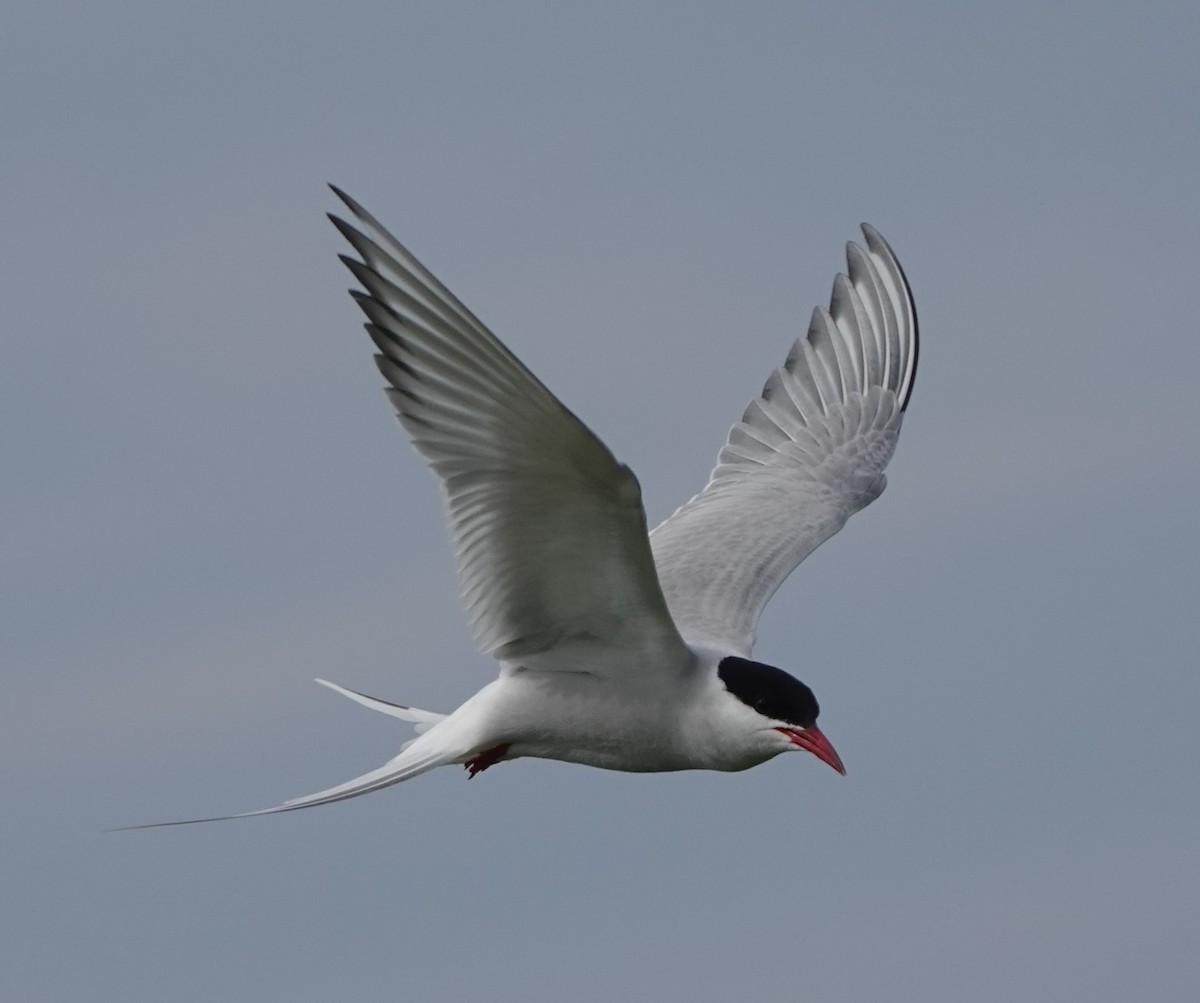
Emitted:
pixel 637 723
pixel 579 718
pixel 619 648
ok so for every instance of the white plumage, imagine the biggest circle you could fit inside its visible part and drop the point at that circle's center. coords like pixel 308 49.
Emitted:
pixel 806 456
pixel 619 648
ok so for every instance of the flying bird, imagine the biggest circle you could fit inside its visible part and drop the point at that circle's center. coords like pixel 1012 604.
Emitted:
pixel 618 647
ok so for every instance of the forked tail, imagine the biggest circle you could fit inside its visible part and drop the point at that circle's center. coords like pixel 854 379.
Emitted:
pixel 418 756
pixel 423 720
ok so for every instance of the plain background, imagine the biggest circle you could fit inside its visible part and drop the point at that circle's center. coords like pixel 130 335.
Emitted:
pixel 206 501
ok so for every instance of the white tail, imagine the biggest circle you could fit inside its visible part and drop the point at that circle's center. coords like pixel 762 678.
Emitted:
pixel 422 720
pixel 416 757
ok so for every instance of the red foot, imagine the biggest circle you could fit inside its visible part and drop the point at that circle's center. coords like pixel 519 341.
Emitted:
pixel 489 757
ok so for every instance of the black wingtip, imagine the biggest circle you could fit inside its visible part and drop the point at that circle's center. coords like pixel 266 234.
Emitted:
pixel 876 242
pixel 353 264
pixel 342 227
pixel 353 205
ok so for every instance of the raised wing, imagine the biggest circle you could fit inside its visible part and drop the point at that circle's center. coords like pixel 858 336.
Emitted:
pixel 807 455
pixel 548 528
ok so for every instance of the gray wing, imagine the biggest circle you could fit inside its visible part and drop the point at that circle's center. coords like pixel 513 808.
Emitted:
pixel 548 528
pixel 807 454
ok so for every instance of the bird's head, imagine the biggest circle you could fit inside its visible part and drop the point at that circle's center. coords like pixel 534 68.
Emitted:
pixel 788 706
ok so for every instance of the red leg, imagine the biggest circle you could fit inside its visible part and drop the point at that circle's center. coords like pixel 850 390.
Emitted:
pixel 481 761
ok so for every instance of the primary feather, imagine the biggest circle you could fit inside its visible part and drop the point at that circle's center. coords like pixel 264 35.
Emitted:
pixel 549 531
pixel 807 454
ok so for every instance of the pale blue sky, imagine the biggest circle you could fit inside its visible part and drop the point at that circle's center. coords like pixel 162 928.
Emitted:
pixel 206 501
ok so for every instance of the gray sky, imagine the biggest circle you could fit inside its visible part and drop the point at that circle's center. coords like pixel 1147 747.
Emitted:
pixel 207 502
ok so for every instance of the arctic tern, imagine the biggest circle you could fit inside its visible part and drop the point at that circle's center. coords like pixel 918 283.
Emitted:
pixel 617 647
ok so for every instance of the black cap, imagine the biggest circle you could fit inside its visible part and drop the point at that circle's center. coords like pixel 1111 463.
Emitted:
pixel 770 691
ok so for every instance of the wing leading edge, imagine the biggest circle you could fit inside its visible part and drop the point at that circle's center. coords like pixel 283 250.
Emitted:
pixel 548 528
